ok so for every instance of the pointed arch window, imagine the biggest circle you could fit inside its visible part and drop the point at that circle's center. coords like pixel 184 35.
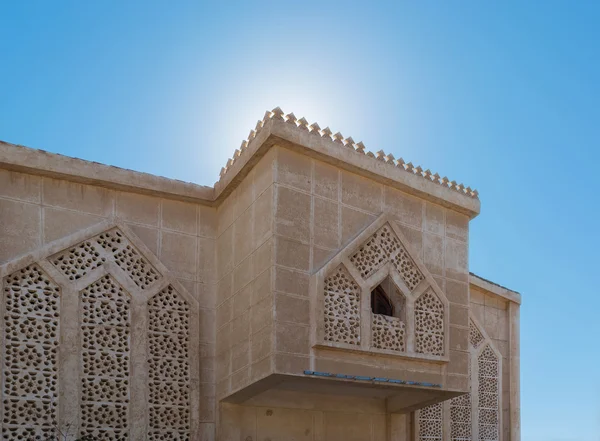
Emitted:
pixel 380 302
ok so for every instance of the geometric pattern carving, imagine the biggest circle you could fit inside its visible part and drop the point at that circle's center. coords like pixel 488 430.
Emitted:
pixel 488 391
pixel 342 304
pixel 475 336
pixel 379 249
pixel 105 327
pixel 388 333
pixel 460 418
pixel 169 389
pixel 30 355
pixel 429 324
pixel 77 261
pixel 431 423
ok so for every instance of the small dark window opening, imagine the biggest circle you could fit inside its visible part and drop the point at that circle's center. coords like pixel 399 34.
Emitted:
pixel 380 303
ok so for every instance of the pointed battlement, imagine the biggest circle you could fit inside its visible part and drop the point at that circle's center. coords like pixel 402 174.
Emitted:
pixel 349 144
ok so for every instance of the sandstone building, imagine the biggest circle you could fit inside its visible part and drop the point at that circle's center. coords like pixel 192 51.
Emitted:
pixel 317 292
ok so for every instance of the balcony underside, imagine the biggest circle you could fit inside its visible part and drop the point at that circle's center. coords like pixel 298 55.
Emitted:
pixel 311 390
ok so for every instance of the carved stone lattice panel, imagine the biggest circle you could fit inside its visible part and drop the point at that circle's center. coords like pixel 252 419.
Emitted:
pixel 489 392
pixel 429 324
pixel 342 308
pixel 461 414
pixel 169 389
pixel 475 336
pixel 76 261
pixel 30 355
pixel 105 383
pixel 431 423
pixel 382 247
pixel 388 333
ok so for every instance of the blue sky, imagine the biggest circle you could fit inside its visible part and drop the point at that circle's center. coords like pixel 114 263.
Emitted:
pixel 503 97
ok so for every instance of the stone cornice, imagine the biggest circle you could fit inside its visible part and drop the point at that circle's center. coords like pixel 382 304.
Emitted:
pixel 273 130
pixel 494 288
pixel 289 132
pixel 39 162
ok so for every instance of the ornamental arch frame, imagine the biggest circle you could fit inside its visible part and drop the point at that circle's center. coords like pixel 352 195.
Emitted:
pixel 460 419
pixel 343 259
pixel 144 280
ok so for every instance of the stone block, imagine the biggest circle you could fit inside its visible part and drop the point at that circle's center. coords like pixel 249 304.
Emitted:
pixel 243 274
pixel 457 225
pixel 292 254
pixel 459 315
pixel 433 253
pixel 264 173
pixel 20 228
pixel 85 198
pixel 180 216
pixel 225 213
pixel 459 338
pixel 240 328
pixel 457 292
pixel 243 243
pixel 20 186
pixel 459 362
pixel 178 253
pixel 291 338
pixel 148 235
pixel 347 426
pixel 284 424
pixel 242 301
pixel 244 195
pixel 326 180
pixel 407 209
pixel 207 221
pixel 291 309
pixel 224 313
pixel 361 192
pixel 325 223
pixel 261 286
pixel 61 223
pixel 137 208
pixel 321 256
pixel 240 355
pixel 206 272
pixel 457 260
pixel 261 369
pixel 263 216
pixel 224 288
pixel 225 252
pixel 261 314
pixel 353 222
pixel 435 221
pixel 207 320
pixel 293 169
pixel 262 343
pixel 292 214
pixel 290 281
pixel 291 364
pixel 263 257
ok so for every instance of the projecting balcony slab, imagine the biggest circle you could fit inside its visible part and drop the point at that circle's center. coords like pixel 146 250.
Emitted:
pixel 309 390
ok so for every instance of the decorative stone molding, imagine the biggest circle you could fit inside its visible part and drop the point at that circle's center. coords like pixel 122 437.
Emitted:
pixel 341 293
pixel 125 368
pixel 346 143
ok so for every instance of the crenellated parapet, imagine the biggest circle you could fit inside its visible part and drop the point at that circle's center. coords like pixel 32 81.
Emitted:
pixel 346 143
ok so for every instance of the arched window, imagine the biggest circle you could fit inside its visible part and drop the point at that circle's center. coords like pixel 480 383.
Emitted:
pixel 380 302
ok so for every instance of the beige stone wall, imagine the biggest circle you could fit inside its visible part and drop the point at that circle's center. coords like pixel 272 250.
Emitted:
pixel 244 277
pixel 248 263
pixel 319 208
pixel 36 210
pixel 492 312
